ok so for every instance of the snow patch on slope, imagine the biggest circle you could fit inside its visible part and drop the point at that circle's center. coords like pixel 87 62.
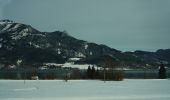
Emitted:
pixel 6 27
pixel 79 54
pixel 59 51
pixel 86 46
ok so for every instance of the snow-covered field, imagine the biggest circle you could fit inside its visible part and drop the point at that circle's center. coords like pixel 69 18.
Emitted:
pixel 129 89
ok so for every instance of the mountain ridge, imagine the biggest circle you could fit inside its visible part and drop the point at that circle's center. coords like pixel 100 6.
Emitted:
pixel 22 42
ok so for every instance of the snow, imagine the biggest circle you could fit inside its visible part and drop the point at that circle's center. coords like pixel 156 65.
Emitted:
pixel 85 46
pixel 24 34
pixel 79 66
pixel 25 89
pixel 59 44
pixel 59 51
pixel 74 59
pixel 68 65
pixel 79 54
pixel 129 89
pixel 12 66
pixel 36 46
pixel 52 64
pixel 16 26
pixel 38 35
pixel 9 28
pixel 19 35
pixel 91 53
pixel 6 27
pixel 19 61
pixel 30 43
pixel 2 22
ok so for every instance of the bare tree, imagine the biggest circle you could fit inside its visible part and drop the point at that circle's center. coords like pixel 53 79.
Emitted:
pixel 113 69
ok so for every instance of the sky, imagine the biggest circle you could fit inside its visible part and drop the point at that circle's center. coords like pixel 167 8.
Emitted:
pixel 126 25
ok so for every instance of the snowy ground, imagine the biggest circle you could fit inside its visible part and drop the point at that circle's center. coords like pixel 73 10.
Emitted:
pixel 128 89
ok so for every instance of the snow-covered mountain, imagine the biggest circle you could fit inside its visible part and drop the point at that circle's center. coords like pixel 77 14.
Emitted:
pixel 22 42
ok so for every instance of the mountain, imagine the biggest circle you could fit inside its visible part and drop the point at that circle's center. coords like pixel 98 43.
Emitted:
pixel 21 42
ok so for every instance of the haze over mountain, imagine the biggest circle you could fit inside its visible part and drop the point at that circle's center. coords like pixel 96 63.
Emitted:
pixel 22 42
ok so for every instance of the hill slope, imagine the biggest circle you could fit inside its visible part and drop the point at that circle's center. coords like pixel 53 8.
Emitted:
pixel 23 42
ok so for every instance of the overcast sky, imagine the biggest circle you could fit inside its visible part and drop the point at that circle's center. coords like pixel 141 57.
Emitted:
pixel 126 25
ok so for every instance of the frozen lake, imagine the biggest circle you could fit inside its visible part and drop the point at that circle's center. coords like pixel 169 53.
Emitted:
pixel 129 89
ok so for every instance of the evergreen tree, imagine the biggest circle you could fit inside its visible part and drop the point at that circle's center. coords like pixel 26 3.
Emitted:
pixel 89 72
pixel 93 72
pixel 162 72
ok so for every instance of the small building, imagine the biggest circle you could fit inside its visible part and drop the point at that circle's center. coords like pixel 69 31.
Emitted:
pixel 35 78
